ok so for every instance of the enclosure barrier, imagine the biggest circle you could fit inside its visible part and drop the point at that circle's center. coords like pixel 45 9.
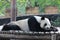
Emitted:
pixel 29 35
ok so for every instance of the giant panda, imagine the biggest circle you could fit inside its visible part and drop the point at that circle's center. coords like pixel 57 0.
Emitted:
pixel 33 23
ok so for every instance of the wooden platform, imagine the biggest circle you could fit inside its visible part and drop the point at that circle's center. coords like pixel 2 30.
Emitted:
pixel 29 35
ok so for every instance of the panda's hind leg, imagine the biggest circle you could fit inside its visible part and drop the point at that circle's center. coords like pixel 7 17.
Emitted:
pixel 10 27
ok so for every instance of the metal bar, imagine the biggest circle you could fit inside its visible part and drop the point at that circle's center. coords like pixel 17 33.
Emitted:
pixel 13 10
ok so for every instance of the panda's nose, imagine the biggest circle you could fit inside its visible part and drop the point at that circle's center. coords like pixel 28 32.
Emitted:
pixel 47 28
pixel 51 27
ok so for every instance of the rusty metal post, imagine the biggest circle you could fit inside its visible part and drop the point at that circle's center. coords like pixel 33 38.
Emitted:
pixel 13 10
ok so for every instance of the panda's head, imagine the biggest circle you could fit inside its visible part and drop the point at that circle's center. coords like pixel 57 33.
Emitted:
pixel 45 23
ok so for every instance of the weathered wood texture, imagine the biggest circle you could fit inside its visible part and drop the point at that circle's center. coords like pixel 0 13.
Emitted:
pixel 29 35
pixel 13 10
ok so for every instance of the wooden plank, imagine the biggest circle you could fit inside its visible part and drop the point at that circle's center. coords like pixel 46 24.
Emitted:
pixel 10 36
pixel 30 35
pixel 53 37
pixel 13 10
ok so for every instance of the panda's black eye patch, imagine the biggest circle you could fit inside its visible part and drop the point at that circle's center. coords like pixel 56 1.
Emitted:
pixel 45 24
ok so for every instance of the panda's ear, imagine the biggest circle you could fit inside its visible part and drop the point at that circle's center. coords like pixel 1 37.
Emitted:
pixel 42 18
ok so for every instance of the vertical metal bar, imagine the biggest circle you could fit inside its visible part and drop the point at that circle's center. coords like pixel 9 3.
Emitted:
pixel 13 10
pixel 53 36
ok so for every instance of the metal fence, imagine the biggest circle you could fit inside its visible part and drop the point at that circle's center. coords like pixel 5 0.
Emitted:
pixel 4 4
pixel 30 7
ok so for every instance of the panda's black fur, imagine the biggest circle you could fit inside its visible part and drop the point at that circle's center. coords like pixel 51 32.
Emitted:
pixel 10 27
pixel 43 18
pixel 33 25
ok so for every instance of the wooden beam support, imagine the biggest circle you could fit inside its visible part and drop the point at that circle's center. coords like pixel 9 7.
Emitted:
pixel 13 10
pixel 53 37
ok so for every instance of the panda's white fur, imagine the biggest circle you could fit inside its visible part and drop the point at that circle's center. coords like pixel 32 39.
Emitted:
pixel 1 27
pixel 23 24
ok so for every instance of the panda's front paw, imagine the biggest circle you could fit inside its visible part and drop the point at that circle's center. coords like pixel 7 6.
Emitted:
pixel 54 29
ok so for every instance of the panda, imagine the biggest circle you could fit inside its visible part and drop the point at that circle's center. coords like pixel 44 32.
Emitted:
pixel 33 23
